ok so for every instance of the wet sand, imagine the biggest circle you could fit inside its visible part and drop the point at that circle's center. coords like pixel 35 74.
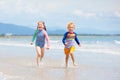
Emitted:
pixel 19 63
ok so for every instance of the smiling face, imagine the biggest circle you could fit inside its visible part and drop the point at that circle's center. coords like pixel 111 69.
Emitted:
pixel 40 26
pixel 71 27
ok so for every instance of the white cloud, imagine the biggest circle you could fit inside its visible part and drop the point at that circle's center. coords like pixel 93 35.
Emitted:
pixel 2 2
pixel 90 14
pixel 78 13
pixel 31 7
pixel 83 14
pixel 2 5
pixel 27 12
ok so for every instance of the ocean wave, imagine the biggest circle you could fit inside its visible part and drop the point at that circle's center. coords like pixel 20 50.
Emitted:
pixel 117 42
pixel 106 51
pixel 54 41
pixel 16 44
pixel 96 48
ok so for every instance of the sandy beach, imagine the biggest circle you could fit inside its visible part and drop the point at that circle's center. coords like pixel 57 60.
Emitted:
pixel 91 66
pixel 18 62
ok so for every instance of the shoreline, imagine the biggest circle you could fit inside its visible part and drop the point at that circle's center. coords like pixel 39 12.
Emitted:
pixel 63 34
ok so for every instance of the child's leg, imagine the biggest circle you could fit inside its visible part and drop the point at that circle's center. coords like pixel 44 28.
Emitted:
pixel 73 59
pixel 42 53
pixel 66 60
pixel 66 51
pixel 38 50
pixel 72 49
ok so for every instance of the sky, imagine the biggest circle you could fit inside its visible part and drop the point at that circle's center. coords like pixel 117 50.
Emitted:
pixel 89 16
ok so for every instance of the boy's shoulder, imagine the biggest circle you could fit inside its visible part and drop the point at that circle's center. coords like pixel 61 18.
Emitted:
pixel 75 33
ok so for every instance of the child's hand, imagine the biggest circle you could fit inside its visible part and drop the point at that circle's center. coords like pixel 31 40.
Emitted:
pixel 47 47
pixel 31 43
pixel 66 44
pixel 79 45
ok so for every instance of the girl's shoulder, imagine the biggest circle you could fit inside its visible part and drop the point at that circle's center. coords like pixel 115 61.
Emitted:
pixel 35 31
pixel 44 31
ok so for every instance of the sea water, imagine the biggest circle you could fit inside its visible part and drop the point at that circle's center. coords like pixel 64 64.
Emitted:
pixel 99 44
pixel 90 45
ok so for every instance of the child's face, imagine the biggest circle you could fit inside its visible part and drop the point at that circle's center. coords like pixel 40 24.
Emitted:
pixel 40 26
pixel 71 28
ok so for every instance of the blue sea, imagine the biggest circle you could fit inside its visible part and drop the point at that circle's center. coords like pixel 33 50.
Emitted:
pixel 98 59
pixel 99 44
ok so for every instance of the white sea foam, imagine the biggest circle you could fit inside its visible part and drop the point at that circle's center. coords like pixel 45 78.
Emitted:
pixel 95 47
pixel 108 51
pixel 117 42
pixel 16 44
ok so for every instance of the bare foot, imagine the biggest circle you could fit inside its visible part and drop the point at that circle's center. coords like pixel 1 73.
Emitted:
pixel 66 66
pixel 74 64
pixel 37 65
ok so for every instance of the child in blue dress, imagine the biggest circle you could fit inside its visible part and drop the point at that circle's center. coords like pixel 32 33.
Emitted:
pixel 40 35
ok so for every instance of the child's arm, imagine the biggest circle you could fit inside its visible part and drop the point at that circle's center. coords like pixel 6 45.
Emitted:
pixel 34 36
pixel 64 38
pixel 47 39
pixel 76 39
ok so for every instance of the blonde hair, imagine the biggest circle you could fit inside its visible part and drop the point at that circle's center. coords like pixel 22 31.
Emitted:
pixel 43 24
pixel 69 24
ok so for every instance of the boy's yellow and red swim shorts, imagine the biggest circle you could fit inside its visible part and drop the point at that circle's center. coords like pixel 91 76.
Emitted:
pixel 67 51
